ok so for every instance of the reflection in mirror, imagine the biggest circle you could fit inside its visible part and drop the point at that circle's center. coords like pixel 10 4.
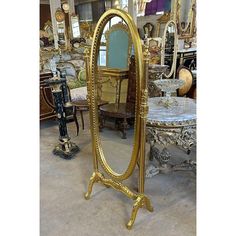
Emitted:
pixel 116 85
pixel 169 48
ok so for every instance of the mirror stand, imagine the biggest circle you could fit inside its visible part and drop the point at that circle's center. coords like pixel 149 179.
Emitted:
pixel 140 199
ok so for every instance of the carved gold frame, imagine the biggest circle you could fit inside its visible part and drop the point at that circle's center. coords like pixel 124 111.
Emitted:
pixel 190 29
pixel 173 66
pixel 141 110
pixel 162 20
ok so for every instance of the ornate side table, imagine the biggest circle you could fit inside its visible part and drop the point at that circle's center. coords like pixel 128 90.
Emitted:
pixel 170 125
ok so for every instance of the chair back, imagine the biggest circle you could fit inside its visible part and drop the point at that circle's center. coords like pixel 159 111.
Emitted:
pixel 118 43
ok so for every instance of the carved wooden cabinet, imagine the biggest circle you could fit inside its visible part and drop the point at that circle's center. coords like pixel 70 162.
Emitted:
pixel 46 98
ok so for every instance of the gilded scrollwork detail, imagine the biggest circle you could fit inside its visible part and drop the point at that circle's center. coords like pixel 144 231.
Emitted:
pixel 187 138
pixel 140 200
pixel 181 136
pixel 184 137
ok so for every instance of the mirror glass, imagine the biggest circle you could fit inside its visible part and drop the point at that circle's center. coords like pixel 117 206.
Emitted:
pixel 169 46
pixel 75 26
pixel 184 14
pixel 116 86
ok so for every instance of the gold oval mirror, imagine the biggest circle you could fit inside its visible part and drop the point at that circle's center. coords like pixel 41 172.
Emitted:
pixel 115 63
pixel 169 48
pixel 117 72
pixel 116 44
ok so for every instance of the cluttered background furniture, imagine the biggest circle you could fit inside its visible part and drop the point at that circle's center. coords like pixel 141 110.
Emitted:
pixel 46 99
pixel 187 57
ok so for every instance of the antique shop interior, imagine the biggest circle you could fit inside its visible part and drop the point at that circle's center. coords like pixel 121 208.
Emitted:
pixel 118 117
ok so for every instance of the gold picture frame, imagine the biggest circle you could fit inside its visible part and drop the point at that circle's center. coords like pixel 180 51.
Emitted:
pixel 186 30
pixel 162 22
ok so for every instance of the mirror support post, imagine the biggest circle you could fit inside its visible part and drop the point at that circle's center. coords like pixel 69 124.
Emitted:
pixel 143 116
pixel 88 79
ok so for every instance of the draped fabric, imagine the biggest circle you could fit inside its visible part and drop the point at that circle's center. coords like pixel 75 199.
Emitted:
pixel 157 5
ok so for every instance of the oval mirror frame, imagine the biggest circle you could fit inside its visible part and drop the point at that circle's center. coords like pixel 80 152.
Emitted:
pixel 140 83
pixel 173 66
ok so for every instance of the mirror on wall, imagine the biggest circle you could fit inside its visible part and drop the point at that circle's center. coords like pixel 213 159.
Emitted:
pixel 186 18
pixel 169 48
pixel 75 29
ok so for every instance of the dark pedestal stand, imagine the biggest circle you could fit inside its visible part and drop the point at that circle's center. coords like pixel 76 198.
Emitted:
pixel 65 149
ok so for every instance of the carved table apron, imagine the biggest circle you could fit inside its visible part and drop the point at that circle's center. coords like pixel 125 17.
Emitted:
pixel 172 125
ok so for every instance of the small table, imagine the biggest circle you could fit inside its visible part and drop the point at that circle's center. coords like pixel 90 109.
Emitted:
pixel 121 111
pixel 82 105
pixel 172 125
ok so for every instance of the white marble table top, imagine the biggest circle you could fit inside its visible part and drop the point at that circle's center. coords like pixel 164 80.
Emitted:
pixel 182 114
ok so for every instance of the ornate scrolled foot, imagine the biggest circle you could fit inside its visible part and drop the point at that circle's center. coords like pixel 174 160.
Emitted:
pixel 138 203
pixel 93 179
pixel 148 205
pixel 141 201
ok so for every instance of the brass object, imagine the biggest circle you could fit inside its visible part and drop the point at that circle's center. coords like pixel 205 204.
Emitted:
pixel 184 74
pixel 141 107
pixel 59 15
